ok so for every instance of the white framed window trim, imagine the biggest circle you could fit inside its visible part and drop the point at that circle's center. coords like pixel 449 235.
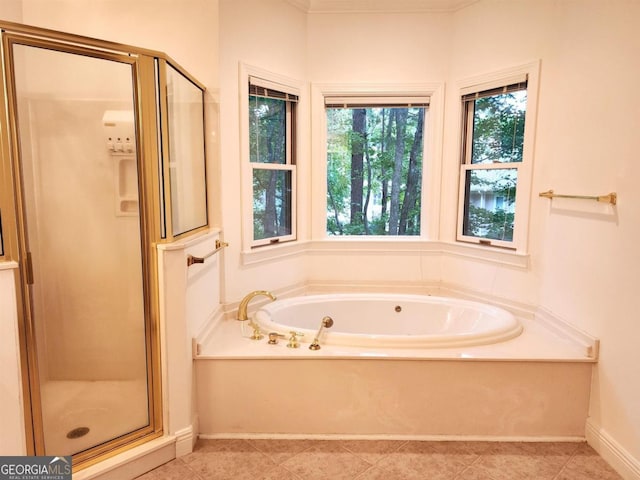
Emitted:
pixel 263 78
pixel 531 72
pixel 432 150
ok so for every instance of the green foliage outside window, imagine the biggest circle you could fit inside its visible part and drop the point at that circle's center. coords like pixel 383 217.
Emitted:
pixel 498 128
pixel 497 137
pixel 267 130
pixel 271 203
pixel 272 186
pixel 374 170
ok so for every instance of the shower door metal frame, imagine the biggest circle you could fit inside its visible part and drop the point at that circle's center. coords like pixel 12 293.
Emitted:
pixel 144 85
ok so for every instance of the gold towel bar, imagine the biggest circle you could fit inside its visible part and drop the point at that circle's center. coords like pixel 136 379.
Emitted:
pixel 219 246
pixel 611 198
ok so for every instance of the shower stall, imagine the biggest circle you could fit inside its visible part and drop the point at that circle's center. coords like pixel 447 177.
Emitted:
pixel 102 149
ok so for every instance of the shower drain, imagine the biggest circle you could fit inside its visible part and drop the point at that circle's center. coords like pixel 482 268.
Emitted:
pixel 78 432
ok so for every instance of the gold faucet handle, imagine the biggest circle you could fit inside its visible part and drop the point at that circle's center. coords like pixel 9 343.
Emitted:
pixel 293 339
pixel 273 337
pixel 257 334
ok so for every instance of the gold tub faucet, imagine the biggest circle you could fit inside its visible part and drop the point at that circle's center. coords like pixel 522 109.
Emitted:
pixel 242 308
pixel 242 312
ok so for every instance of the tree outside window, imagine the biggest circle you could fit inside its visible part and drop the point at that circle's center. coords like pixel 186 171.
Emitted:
pixel 374 169
pixel 493 138
pixel 271 148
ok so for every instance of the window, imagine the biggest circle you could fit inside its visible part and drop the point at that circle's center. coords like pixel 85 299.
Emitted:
pixel 272 118
pixel 375 154
pixel 493 163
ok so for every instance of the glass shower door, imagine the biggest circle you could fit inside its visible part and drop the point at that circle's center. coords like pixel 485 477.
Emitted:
pixel 75 115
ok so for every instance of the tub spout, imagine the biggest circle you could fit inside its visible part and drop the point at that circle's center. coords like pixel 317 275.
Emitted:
pixel 242 308
pixel 327 322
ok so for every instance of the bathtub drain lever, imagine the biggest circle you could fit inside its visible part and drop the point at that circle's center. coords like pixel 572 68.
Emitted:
pixel 327 322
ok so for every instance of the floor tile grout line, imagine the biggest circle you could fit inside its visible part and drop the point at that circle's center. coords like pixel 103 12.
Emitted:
pixel 336 442
pixel 383 456
pixel 248 442
pixel 197 474
pixel 571 457
pixel 370 467
pixel 269 454
pixel 294 474
pixel 467 467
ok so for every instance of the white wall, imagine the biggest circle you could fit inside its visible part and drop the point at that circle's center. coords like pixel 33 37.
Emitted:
pixel 184 30
pixel 11 10
pixel 379 48
pixel 584 263
pixel 269 35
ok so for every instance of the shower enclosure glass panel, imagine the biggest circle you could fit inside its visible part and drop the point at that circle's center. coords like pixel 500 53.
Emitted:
pixel 79 164
pixel 185 115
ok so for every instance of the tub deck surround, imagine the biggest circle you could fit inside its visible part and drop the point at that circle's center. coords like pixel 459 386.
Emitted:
pixel 530 387
pixel 229 340
pixel 377 398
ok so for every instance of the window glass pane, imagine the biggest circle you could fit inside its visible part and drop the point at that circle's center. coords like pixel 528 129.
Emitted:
pixel 267 130
pixel 498 128
pixel 490 203
pixel 271 203
pixel 374 170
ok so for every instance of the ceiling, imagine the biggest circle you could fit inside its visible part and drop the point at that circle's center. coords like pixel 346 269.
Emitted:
pixel 386 6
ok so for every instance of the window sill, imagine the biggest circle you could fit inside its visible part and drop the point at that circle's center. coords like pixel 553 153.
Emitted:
pixel 386 246
pixel 271 253
pixel 413 245
pixel 487 253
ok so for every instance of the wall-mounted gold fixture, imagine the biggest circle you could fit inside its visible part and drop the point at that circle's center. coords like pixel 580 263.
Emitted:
pixel 611 198
pixel 219 246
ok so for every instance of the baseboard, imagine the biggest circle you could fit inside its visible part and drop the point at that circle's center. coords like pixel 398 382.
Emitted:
pixel 185 440
pixel 610 450
pixel 431 438
pixel 132 463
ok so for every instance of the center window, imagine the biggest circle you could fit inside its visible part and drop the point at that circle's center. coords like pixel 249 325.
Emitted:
pixel 374 165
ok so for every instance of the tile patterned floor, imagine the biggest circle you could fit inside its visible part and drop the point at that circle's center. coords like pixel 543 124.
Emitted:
pixel 384 460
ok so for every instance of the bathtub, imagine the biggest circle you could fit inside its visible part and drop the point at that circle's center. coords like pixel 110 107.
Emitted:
pixel 535 386
pixel 390 320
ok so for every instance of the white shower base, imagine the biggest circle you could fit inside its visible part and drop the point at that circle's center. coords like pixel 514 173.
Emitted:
pixel 108 408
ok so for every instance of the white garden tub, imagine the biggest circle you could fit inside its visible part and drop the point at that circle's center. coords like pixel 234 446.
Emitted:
pixel 390 320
